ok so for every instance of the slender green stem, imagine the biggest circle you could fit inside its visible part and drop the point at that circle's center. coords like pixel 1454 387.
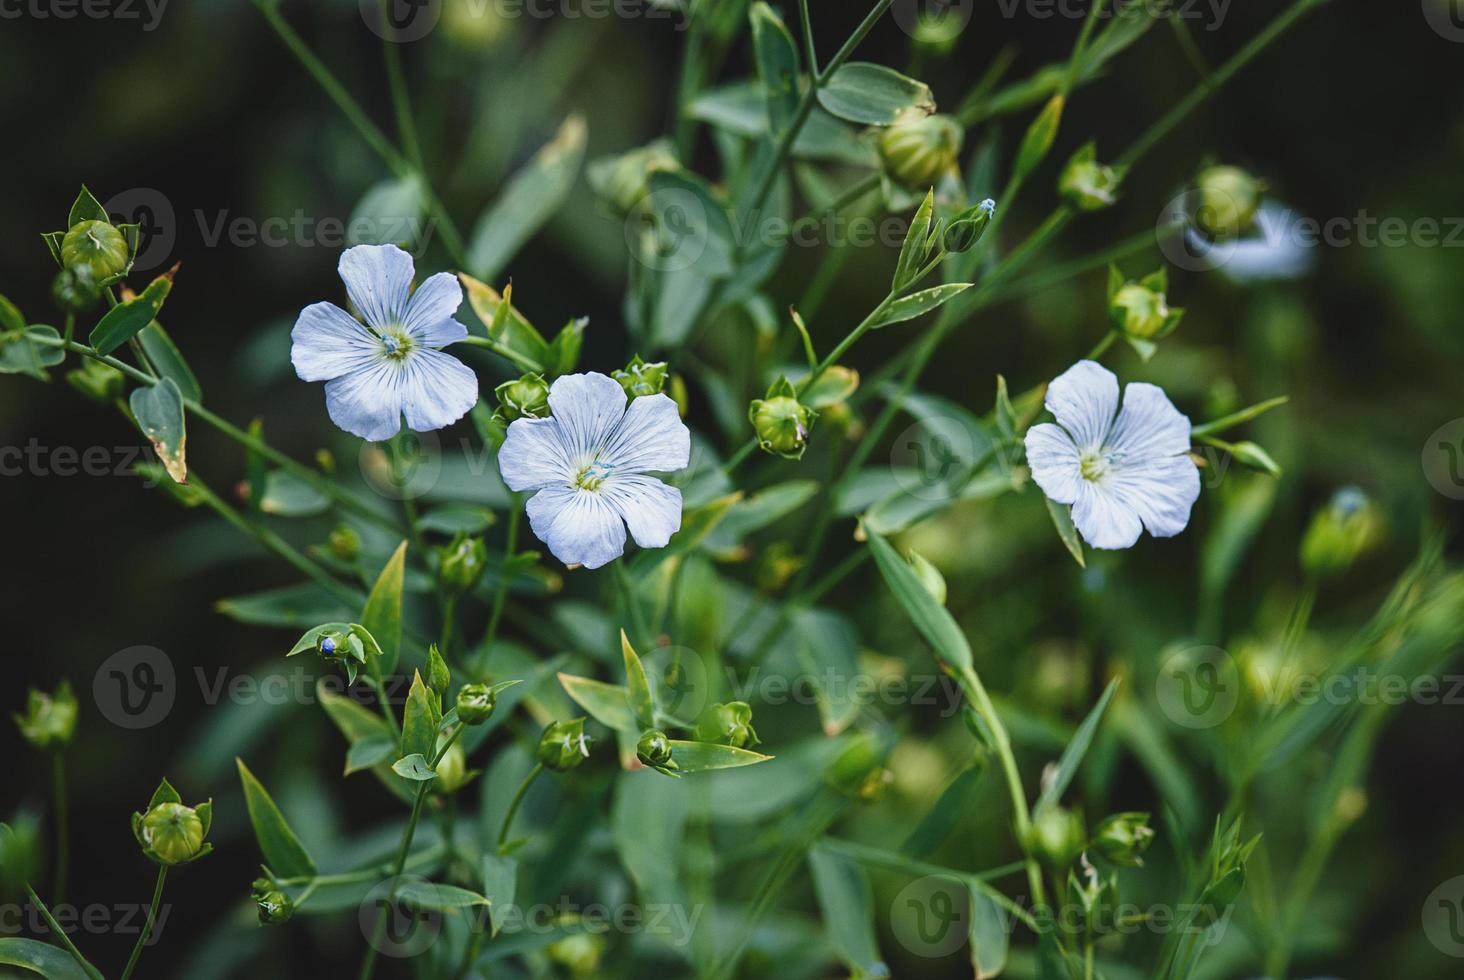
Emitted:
pixel 1236 418
pixel 449 613
pixel 401 101
pixel 1075 62
pixel 1101 348
pixel 500 594
pixel 519 360
pixel 60 934
pixel 810 51
pixel 689 81
pixel 513 807
pixel 63 830
pixel 152 914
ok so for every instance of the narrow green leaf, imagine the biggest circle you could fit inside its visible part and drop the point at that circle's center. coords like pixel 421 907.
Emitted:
pixel 989 937
pixel 1072 756
pixel 777 64
pixel 414 767
pixel 390 213
pixel 874 95
pixel 51 962
pixel 353 720
pixel 429 895
pixel 638 688
pixel 847 903
pixel 609 704
pixel 158 409
pixel 383 614
pixel 168 359
pixel 419 726
pixel 932 619
pixel 500 874
pixel 917 239
pixel 1062 519
pixel 947 814
pixel 701 756
pixel 10 316
pixel 919 303
pixel 282 850
pixel 370 752
pixel 128 318
pixel 528 201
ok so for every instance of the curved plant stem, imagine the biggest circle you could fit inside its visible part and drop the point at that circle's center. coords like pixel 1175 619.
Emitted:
pixel 518 798
pixel 63 832
pixel 61 936
pixel 152 914
pixel 500 595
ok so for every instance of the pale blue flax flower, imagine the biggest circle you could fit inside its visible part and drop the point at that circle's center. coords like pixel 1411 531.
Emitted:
pixel 588 462
pixel 392 364
pixel 1122 470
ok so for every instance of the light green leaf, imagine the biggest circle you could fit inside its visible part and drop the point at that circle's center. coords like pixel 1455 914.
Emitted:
pixel 777 64
pixel 168 359
pixel 1062 519
pixel 847 903
pixel 29 352
pixel 383 614
pixel 10 316
pixel 419 726
pixel 390 213
pixel 701 756
pixel 431 896
pixel 874 95
pixel 286 495
pixel 51 962
pixel 282 850
pixel 914 252
pixel 290 605
pixel 609 704
pixel 919 303
pixel 158 409
pixel 500 874
pixel 932 619
pixel 128 318
pixel 504 323
pixel 530 199
pixel 990 940
pixel 637 687
pixel 740 109
pixel 369 751
pixel 86 208
pixel 1072 756
pixel 414 767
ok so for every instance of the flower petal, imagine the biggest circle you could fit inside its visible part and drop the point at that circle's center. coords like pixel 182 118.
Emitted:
pixel 1104 519
pixel 328 342
pixel 436 389
pixel 428 316
pixel 651 509
pixel 533 455
pixel 1084 400
pixel 651 437
pixel 579 526
pixel 587 407
pixel 367 402
pixel 1148 425
pixel 1053 459
pixel 1161 491
pixel 378 279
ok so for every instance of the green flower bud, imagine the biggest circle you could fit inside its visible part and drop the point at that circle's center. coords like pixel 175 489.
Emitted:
pixel 968 227
pixel 344 543
pixel 50 719
pixel 564 745
pixel 781 423
pixel 452 770
pixel 623 182
pixel 640 378
pixel 858 771
pixel 525 398
pixel 1140 310
pixel 1056 836
pixel 1348 526
pixel 1087 184
pixel 918 149
pixel 461 563
pixel 97 381
pixel 273 905
pixel 98 248
pixel 1040 136
pixel 1229 199
pixel 727 724
pixel 936 32
pixel 475 704
pixel 1123 837
pixel 74 290
pixel 654 749
pixel 172 833
pixel 578 952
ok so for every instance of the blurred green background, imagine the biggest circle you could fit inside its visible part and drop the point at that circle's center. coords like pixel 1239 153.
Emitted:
pixel 1358 109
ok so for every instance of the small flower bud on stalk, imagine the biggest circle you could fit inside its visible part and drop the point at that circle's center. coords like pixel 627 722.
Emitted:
pixel 344 543
pixel 49 721
pixel 1348 526
pixel 1123 837
pixel 74 290
pixel 96 247
pixel 564 745
pixel 1087 184
pixel 967 228
pixel 525 398
pixel 781 421
pixel 462 563
pixel 639 378
pixel 475 704
pixel 1039 137
pixel 452 770
pixel 171 833
pixel 1056 836
pixel 654 750
pixel 273 905
pixel 1229 199
pixel 623 182
pixel 727 724
pixel 918 149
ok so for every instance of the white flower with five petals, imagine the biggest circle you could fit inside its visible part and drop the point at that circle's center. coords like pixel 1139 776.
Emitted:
pixel 588 462
pixel 391 365
pixel 1122 470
